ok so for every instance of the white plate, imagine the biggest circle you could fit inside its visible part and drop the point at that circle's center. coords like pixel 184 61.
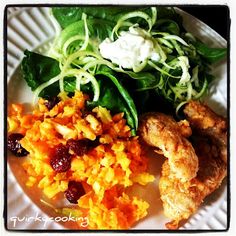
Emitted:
pixel 30 28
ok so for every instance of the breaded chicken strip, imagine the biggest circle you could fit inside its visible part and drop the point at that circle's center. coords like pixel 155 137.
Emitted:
pixel 207 123
pixel 181 200
pixel 181 197
pixel 163 132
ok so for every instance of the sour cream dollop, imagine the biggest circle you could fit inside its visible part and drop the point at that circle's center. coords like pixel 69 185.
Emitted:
pixel 130 49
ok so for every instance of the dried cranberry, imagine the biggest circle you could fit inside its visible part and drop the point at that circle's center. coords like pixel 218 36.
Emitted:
pixel 79 147
pixel 13 144
pixel 61 159
pixel 51 102
pixel 74 192
pixel 94 143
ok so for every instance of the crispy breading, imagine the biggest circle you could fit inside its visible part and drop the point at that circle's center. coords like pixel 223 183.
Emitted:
pixel 182 197
pixel 181 200
pixel 163 132
pixel 207 123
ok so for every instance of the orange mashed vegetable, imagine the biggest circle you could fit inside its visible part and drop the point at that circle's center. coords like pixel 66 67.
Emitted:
pixel 106 171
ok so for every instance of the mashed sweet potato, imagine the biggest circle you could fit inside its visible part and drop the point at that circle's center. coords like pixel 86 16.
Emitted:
pixel 105 171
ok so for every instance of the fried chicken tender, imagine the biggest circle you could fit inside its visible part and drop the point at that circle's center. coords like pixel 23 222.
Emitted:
pixel 207 123
pixel 181 200
pixel 182 197
pixel 163 132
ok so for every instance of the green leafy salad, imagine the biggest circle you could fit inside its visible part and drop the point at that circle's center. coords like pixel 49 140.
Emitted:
pixel 126 59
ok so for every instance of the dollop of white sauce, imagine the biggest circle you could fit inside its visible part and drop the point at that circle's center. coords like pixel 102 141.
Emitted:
pixel 130 49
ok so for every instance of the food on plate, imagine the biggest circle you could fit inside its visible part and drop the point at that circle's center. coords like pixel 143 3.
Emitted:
pixel 90 156
pixel 164 133
pixel 124 58
pixel 182 197
pixel 106 68
pixel 207 123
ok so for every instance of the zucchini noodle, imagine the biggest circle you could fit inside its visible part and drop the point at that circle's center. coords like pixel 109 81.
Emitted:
pixel 84 77
pixel 117 27
pixel 165 42
pixel 177 38
pixel 55 24
pixel 161 70
pixel 127 16
pixel 195 78
pixel 86 39
pixel 69 41
pixel 98 62
pixel 41 87
pixel 78 54
pixel 158 85
pixel 194 97
pixel 154 15
pixel 202 91
pixel 177 47
pixel 189 91
pixel 78 82
pixel 184 64
pixel 179 106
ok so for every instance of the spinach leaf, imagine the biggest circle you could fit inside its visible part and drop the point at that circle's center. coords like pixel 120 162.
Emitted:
pixel 68 15
pixel 167 25
pixel 98 29
pixel 70 86
pixel 37 69
pixel 169 13
pixel 112 100
pixel 143 75
pixel 168 21
pixel 212 55
pixel 123 92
